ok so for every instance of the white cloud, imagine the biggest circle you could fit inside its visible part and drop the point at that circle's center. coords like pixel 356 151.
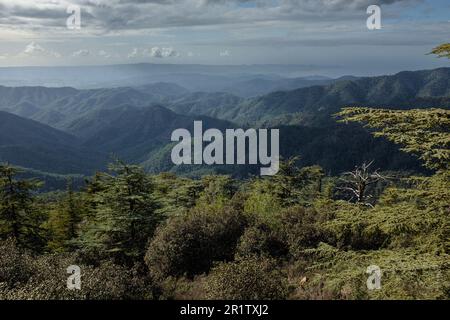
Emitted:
pixel 107 55
pixel 133 54
pixel 225 53
pixel 81 53
pixel 157 52
pixel 122 15
pixel 33 49
pixel 169 52
pixel 104 54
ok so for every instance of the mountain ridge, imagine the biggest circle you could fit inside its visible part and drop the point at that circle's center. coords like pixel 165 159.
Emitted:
pixel 31 144
pixel 312 105
pixel 135 124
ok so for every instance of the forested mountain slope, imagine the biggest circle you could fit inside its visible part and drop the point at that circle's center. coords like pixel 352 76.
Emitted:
pixel 30 144
pixel 313 105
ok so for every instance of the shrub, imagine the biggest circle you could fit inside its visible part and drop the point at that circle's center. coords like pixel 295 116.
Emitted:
pixel 15 267
pixel 301 229
pixel 406 273
pixel 252 278
pixel 261 240
pixel 188 245
pixel 23 277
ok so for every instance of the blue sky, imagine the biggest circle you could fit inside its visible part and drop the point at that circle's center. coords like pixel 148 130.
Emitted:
pixel 330 35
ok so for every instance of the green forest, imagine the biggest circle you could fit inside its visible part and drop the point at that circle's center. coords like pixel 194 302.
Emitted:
pixel 302 234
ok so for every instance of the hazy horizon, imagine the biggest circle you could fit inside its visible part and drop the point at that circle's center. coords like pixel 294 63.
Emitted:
pixel 331 36
pixel 298 71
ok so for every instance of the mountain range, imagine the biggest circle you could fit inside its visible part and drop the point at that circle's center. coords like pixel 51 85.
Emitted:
pixel 312 105
pixel 192 76
pixel 72 131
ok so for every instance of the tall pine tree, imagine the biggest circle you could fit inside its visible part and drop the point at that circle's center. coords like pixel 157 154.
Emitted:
pixel 125 213
pixel 64 219
pixel 19 218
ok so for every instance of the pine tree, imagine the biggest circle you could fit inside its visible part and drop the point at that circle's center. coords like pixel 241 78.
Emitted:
pixel 64 219
pixel 294 185
pixel 217 191
pixel 425 133
pixel 442 51
pixel 125 213
pixel 19 218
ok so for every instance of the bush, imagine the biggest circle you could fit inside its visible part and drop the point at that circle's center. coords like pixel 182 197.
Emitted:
pixel 188 245
pixel 182 288
pixel 261 240
pixel 360 236
pixel 15 267
pixel 406 273
pixel 301 229
pixel 23 277
pixel 251 278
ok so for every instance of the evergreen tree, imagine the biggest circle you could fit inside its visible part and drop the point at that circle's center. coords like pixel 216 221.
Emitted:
pixel 64 219
pixel 295 185
pixel 425 133
pixel 442 51
pixel 176 194
pixel 125 214
pixel 19 218
pixel 217 191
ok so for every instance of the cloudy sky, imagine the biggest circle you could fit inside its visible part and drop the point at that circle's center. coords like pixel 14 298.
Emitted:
pixel 329 34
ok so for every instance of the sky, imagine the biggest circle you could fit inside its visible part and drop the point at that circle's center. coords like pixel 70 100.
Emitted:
pixel 329 34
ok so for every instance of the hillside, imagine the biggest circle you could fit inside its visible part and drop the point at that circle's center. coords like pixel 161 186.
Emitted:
pixel 313 105
pixel 260 86
pixel 27 101
pixel 136 123
pixel 58 107
pixel 203 103
pixel 31 144
pixel 131 132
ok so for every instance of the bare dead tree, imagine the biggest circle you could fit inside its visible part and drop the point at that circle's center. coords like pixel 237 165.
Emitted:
pixel 357 182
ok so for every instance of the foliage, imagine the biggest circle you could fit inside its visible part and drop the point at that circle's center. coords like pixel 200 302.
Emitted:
pixel 188 245
pixel 14 266
pixel 19 218
pixel 64 220
pixel 217 191
pixel 301 229
pixel 175 194
pixel 261 239
pixel 442 51
pixel 261 201
pixel 422 132
pixel 247 279
pixel 406 273
pixel 125 213
pixel 23 276
pixel 294 185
